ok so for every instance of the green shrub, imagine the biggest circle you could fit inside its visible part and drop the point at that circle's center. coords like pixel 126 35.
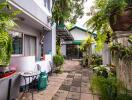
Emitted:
pixel 96 60
pixel 58 62
pixel 106 87
pixel 101 71
pixel 109 88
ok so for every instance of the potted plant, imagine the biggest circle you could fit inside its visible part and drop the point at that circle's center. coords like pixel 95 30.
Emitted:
pixel 121 16
pixel 110 16
pixel 7 15
pixel 58 62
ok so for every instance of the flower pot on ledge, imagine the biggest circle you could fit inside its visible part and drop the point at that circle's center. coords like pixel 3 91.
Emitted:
pixel 6 74
pixel 122 22
pixel 5 71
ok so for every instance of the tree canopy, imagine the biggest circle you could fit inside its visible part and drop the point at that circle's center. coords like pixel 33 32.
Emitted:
pixel 100 21
pixel 67 11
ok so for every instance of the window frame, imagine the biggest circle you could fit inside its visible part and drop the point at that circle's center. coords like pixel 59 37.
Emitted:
pixel 21 54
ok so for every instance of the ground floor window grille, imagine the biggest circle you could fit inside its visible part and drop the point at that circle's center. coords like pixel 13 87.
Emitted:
pixel 17 42
pixel 23 44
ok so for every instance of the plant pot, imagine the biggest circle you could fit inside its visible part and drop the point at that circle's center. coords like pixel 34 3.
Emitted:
pixel 3 68
pixel 122 22
pixel 6 74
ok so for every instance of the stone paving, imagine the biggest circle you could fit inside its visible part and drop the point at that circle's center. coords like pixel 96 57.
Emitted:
pixel 54 84
pixel 76 86
pixel 73 84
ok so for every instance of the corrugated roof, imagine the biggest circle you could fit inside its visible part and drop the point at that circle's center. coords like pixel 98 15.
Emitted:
pixel 64 33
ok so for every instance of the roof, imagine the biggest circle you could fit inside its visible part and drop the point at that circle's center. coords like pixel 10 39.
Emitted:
pixel 78 28
pixel 63 33
pixel 77 42
pixel 83 29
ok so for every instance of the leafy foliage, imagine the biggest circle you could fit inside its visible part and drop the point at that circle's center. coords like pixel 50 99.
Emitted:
pixel 7 17
pixel 5 48
pixel 100 22
pixel 109 88
pixel 67 10
pixel 106 87
pixel 122 52
pixel 130 39
pixel 86 48
pixel 58 62
pixel 96 60
pixel 87 43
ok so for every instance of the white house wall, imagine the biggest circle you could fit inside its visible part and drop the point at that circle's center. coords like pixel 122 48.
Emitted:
pixel 25 29
pixel 50 41
pixel 33 9
pixel 41 5
pixel 28 63
pixel 79 34
pixel 54 39
pixel 106 54
pixel 63 50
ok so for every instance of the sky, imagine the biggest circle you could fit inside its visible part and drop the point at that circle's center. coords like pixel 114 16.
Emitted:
pixel 87 5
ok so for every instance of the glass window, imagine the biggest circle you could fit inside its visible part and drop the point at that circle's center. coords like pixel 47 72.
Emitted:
pixel 47 4
pixel 48 1
pixel 17 42
pixel 29 45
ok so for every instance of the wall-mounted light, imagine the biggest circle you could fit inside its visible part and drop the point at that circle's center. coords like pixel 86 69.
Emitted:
pixel 42 37
pixel 49 19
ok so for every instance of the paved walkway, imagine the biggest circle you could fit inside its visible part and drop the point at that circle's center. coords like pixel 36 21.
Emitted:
pixel 73 84
pixel 76 85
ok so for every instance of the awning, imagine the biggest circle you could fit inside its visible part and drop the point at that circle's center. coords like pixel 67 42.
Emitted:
pixel 62 32
pixel 77 42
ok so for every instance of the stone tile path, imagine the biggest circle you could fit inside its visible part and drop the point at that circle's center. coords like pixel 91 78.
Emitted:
pixel 73 84
pixel 76 86
pixel 54 84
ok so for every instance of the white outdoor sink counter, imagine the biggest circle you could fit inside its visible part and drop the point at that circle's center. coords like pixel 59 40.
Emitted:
pixel 28 63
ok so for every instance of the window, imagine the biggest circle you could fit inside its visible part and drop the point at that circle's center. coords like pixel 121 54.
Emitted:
pixel 17 42
pixel 23 42
pixel 29 45
pixel 47 4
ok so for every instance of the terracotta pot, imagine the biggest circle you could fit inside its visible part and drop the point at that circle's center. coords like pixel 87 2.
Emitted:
pixel 123 22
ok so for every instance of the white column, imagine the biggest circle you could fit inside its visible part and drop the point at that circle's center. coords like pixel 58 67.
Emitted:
pixel 106 55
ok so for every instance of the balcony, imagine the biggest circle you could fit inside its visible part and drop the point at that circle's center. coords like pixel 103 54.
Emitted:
pixel 33 10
